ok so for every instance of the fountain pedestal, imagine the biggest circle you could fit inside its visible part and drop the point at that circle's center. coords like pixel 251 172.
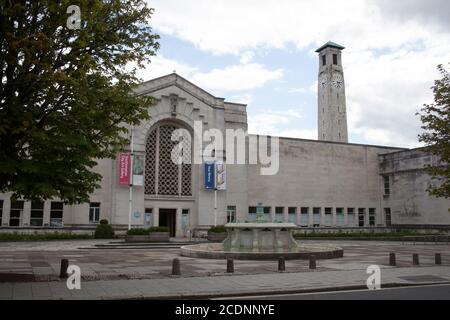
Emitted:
pixel 260 237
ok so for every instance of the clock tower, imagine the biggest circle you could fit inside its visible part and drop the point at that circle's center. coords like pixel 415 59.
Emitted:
pixel 332 113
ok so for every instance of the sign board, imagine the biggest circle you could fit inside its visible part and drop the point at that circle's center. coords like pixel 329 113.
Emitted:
pixel 221 175
pixel 210 175
pixel 138 170
pixel 124 169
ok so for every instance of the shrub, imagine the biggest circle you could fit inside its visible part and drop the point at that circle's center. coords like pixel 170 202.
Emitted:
pixel 104 221
pixel 137 232
pixel 104 231
pixel 217 229
pixel 42 237
pixel 158 229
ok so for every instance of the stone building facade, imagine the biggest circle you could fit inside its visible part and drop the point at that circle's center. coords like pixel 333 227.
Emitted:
pixel 320 183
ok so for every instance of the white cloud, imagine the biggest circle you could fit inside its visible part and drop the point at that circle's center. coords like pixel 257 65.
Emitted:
pixel 161 66
pixel 237 77
pixel 272 122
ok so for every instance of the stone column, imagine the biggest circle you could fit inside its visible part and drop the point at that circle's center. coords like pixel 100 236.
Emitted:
pixel 311 217
pixel 46 216
pixel 255 240
pixel 178 226
pixel 156 216
pixel 272 214
pixel 286 214
pixel 333 214
pixel 6 210
pixel 345 218
pixel 297 216
pixel 322 217
pixel 26 213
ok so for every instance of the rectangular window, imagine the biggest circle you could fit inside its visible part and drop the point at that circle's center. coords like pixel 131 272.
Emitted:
pixel 324 60
pixel 56 214
pixel 231 213
pixel 279 214
pixel 387 186
pixel 267 213
pixel 335 59
pixel 37 214
pixel 387 217
pixel 316 216
pixel 372 217
pixel 361 217
pixel 304 216
pixel 94 212
pixel 1 212
pixel 185 218
pixel 148 218
pixel 351 216
pixel 251 213
pixel 339 216
pixel 16 213
pixel 328 216
pixel 292 215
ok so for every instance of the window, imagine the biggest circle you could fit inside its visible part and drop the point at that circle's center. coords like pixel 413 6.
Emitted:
pixel 339 216
pixel 328 216
pixel 251 213
pixel 335 62
pixel 231 213
pixel 324 60
pixel 94 212
pixel 372 217
pixel 387 217
pixel 316 216
pixel 387 186
pixel 304 216
pixel 1 212
pixel 267 211
pixel 37 214
pixel 184 218
pixel 351 216
pixel 148 218
pixel 361 217
pixel 15 214
pixel 56 214
pixel 292 214
pixel 162 175
pixel 279 214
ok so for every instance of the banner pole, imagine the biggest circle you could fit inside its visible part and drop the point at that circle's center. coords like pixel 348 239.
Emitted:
pixel 130 203
pixel 215 182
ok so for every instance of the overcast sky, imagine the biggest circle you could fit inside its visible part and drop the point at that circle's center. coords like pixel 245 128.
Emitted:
pixel 262 53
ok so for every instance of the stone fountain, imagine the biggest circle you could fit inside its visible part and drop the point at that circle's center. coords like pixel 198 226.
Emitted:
pixel 260 240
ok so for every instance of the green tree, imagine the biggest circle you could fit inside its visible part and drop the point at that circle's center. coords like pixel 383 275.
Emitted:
pixel 66 94
pixel 436 123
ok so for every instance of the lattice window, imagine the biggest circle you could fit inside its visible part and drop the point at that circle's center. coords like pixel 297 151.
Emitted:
pixel 150 163
pixel 163 176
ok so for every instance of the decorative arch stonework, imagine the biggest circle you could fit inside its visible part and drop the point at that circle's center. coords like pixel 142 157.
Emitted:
pixel 163 177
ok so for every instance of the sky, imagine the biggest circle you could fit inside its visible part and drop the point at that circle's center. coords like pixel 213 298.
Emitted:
pixel 261 53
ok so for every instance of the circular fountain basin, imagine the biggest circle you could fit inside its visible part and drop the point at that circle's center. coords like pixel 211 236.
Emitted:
pixel 260 241
pixel 217 251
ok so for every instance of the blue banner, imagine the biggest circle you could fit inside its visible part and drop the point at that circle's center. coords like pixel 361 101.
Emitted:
pixel 210 175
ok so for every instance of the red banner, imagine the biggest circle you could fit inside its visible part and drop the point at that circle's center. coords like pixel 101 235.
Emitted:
pixel 124 169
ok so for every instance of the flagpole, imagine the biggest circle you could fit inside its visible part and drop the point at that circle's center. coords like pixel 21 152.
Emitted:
pixel 130 203
pixel 215 182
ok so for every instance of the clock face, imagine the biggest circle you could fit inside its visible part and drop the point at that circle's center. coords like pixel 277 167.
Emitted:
pixel 323 80
pixel 337 81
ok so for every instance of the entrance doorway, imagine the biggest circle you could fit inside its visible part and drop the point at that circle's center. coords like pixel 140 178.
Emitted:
pixel 167 218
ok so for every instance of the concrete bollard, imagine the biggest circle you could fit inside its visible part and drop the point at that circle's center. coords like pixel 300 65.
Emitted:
pixel 312 262
pixel 281 264
pixel 437 258
pixel 230 265
pixel 176 269
pixel 63 270
pixel 415 259
pixel 392 261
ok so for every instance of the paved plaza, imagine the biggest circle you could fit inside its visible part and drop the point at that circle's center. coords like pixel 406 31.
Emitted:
pixel 31 270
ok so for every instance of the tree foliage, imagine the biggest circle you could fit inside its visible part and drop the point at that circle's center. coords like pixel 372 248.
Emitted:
pixel 436 123
pixel 66 94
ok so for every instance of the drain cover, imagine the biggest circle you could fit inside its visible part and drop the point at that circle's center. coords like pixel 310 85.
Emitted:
pixel 423 278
